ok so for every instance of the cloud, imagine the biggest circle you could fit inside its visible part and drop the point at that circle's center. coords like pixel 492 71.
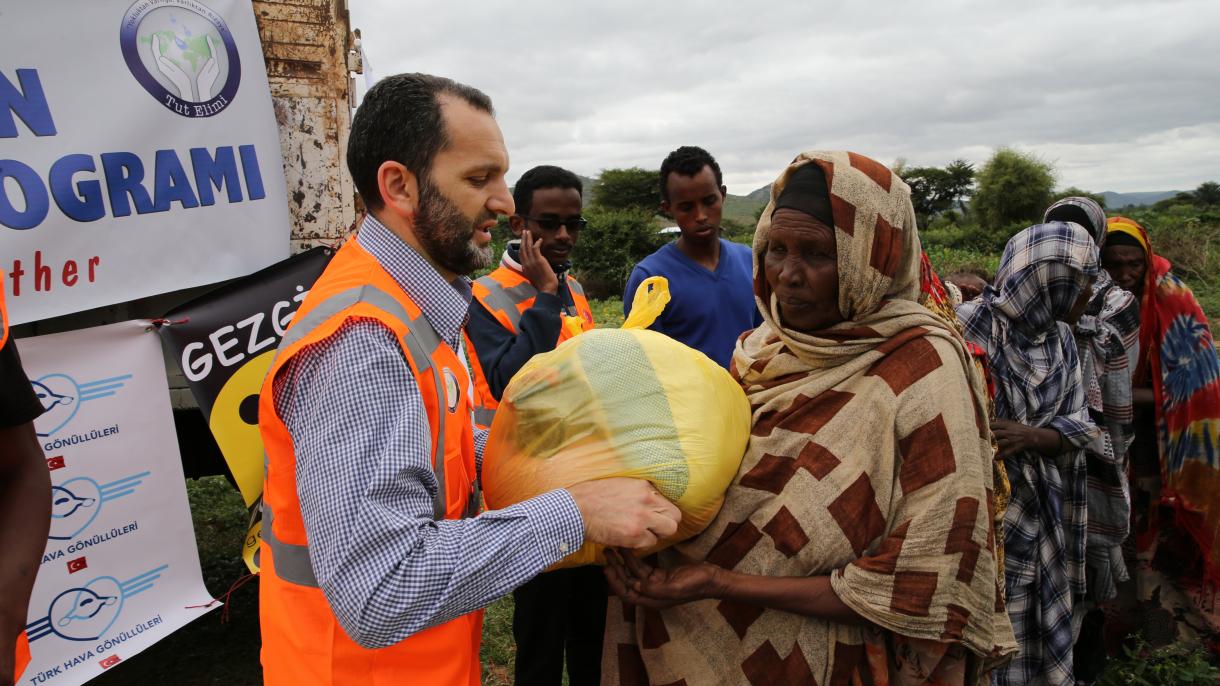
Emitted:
pixel 1119 95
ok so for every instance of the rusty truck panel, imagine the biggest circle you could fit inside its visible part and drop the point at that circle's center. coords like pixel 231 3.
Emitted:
pixel 307 48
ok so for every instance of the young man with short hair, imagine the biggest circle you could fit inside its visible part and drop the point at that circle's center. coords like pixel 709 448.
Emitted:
pixel 527 306
pixel 531 302
pixel 711 284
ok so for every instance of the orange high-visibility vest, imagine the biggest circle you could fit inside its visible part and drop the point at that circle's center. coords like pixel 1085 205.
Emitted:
pixel 23 653
pixel 507 294
pixel 303 642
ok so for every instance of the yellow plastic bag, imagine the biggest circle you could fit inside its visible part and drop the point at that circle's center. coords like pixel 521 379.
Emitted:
pixel 620 402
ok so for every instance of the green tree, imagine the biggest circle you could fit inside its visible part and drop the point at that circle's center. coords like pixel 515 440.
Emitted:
pixel 1207 194
pixel 612 245
pixel 935 190
pixel 960 182
pixel 1013 187
pixel 625 189
pixel 1074 192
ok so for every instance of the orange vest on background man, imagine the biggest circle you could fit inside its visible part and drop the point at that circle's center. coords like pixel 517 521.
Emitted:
pixel 507 294
pixel 303 643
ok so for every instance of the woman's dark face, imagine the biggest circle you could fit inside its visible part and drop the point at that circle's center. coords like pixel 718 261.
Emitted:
pixel 802 270
pixel 1127 265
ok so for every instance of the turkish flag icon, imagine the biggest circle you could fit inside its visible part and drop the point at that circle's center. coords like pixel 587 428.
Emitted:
pixel 110 661
pixel 77 564
pixel 56 462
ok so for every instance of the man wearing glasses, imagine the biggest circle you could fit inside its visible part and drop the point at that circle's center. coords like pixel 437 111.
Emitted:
pixel 527 306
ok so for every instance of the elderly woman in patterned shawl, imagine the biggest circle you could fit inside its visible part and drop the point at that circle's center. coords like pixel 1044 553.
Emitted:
pixel 1175 460
pixel 855 544
pixel 1024 322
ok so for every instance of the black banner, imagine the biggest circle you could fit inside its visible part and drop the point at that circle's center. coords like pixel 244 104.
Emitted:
pixel 224 342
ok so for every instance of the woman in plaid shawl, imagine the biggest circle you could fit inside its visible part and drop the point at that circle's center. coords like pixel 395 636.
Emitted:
pixel 1042 427
pixel 855 544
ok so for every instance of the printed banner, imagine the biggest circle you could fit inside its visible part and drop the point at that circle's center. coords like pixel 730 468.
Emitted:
pixel 121 570
pixel 225 342
pixel 139 152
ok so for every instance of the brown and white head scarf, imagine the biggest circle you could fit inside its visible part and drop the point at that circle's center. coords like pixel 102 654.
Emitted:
pixel 869 461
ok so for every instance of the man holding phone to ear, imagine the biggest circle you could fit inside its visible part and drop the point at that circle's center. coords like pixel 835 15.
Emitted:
pixel 529 305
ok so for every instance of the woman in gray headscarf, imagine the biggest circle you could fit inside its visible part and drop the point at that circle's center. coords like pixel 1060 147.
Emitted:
pixel 1107 337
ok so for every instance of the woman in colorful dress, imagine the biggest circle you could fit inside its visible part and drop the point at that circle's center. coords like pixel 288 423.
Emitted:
pixel 1176 456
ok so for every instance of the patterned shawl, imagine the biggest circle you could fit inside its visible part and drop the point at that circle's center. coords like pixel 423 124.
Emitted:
pixel 934 295
pixel 1107 339
pixel 1033 359
pixel 1178 354
pixel 869 461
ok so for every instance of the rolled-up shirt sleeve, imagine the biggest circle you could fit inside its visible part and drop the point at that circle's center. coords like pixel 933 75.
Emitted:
pixel 365 484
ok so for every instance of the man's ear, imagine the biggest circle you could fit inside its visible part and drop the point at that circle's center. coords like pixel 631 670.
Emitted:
pixel 665 209
pixel 517 224
pixel 724 192
pixel 399 189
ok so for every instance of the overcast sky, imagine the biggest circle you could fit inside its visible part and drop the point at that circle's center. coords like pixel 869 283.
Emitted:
pixel 1120 96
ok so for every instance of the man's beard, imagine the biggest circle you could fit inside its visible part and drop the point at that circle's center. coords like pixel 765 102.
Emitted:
pixel 447 234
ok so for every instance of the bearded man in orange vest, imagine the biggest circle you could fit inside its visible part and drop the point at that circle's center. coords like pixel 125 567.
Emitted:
pixel 527 306
pixel 374 561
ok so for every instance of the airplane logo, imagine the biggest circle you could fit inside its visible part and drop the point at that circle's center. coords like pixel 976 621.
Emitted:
pixel 61 397
pixel 85 613
pixel 76 502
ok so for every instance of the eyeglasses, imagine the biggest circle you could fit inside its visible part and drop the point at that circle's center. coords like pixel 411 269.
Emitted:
pixel 553 223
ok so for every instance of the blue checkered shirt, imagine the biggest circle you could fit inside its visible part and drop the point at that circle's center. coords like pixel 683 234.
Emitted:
pixel 364 478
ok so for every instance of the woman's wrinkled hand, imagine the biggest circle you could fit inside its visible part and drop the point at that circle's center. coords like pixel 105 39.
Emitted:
pixel 1013 438
pixel 639 583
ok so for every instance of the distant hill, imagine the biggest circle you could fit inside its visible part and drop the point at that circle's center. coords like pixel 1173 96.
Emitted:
pixel 1117 200
pixel 586 196
pixel 762 195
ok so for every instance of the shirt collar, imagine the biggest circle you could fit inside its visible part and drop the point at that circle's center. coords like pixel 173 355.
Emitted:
pixel 446 305
pixel 512 259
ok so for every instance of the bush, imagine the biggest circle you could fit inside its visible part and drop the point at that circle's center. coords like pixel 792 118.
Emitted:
pixel 626 189
pixel 1175 665
pixel 610 247
pixel 968 236
pixel 1013 187
pixel 948 261
pixel 737 231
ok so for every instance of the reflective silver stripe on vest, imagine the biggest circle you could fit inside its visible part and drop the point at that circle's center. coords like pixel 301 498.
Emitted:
pixel 484 416
pixel 501 299
pixel 291 561
pixel 575 287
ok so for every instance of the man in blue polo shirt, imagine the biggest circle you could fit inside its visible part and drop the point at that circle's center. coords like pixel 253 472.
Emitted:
pixel 711 283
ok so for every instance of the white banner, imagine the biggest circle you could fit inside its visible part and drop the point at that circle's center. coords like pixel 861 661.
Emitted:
pixel 121 570
pixel 138 151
